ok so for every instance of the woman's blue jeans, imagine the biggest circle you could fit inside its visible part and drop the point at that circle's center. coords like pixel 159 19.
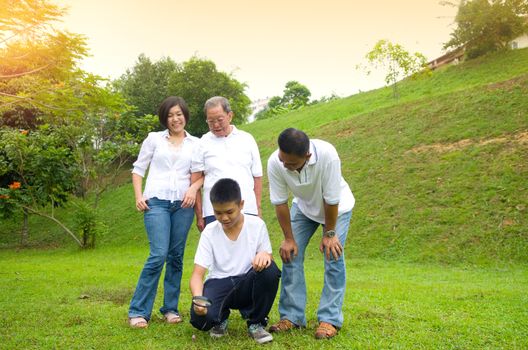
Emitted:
pixel 167 225
pixel 292 302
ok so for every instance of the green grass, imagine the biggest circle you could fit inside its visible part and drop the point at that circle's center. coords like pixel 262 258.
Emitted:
pixel 68 299
pixel 437 251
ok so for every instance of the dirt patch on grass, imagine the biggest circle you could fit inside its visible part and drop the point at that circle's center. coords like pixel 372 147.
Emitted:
pixel 509 84
pixel 518 138
pixel 118 296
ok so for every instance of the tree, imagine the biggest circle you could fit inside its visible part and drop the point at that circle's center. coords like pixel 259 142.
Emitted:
pixel 77 140
pixel 196 81
pixel 397 62
pixel 484 26
pixel 146 84
pixel 37 62
pixel 37 169
pixel 274 102
pixel 295 94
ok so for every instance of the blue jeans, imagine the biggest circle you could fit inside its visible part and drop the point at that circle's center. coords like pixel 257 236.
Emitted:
pixel 167 225
pixel 292 302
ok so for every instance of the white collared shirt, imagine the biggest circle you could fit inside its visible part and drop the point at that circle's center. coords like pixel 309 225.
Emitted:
pixel 234 156
pixel 223 257
pixel 169 174
pixel 318 181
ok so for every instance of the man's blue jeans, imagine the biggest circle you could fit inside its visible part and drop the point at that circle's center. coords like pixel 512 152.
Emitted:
pixel 292 302
pixel 167 225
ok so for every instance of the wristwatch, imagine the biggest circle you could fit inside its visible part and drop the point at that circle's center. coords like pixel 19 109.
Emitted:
pixel 329 233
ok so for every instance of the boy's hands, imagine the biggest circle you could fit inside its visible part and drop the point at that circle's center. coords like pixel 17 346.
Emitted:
pixel 261 261
pixel 200 310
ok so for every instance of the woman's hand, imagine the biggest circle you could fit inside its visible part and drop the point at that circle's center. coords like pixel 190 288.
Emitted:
pixel 190 198
pixel 141 204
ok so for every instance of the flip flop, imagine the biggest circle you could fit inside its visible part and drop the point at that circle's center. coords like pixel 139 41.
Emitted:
pixel 138 322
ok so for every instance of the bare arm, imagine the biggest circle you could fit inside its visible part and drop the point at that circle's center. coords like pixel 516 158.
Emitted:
pixel 196 282
pixel 288 248
pixel 331 212
pixel 137 183
pixel 283 216
pixel 196 285
pixel 198 177
pixel 258 193
pixel 191 195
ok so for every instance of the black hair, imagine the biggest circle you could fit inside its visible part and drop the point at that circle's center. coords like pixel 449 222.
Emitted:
pixel 224 191
pixel 294 141
pixel 167 104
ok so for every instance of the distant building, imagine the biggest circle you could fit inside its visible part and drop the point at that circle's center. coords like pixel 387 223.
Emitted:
pixel 520 42
pixel 451 57
pixel 457 55
pixel 256 106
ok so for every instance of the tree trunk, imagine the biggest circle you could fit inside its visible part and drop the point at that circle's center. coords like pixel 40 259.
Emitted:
pixel 67 230
pixel 25 229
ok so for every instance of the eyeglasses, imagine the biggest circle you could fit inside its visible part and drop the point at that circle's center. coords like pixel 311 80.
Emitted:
pixel 214 121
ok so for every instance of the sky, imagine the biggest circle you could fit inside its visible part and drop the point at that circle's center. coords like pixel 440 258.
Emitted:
pixel 264 44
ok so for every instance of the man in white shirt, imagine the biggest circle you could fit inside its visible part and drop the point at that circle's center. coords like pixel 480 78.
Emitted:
pixel 236 252
pixel 311 170
pixel 226 152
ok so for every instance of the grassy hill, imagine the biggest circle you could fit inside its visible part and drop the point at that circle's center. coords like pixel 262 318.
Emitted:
pixel 439 174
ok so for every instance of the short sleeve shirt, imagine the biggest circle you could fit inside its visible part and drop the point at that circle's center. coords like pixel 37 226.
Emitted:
pixel 318 181
pixel 235 156
pixel 223 257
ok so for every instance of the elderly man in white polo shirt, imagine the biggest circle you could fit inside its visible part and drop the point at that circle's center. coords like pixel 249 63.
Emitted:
pixel 226 152
pixel 311 170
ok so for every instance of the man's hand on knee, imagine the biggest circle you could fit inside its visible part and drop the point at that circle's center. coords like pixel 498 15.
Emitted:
pixel 288 250
pixel 331 247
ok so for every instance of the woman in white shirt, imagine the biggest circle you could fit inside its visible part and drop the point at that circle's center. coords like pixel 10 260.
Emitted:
pixel 167 203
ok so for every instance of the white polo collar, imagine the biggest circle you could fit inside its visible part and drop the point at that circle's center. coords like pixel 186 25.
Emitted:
pixel 314 157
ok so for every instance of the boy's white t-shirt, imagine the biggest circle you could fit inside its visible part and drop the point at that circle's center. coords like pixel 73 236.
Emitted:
pixel 223 257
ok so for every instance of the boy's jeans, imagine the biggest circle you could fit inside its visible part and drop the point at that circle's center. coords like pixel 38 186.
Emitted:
pixel 292 302
pixel 167 225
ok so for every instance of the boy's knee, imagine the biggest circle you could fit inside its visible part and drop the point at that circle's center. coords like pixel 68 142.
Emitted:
pixel 203 323
pixel 271 272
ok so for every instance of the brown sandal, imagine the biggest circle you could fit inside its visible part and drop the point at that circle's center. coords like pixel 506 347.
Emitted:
pixel 325 331
pixel 138 322
pixel 282 325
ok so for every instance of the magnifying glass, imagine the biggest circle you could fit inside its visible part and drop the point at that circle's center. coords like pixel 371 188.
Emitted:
pixel 201 301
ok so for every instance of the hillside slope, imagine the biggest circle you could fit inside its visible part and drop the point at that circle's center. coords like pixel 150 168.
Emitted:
pixel 439 175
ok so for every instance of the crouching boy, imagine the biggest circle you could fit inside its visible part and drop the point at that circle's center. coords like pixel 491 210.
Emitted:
pixel 235 250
